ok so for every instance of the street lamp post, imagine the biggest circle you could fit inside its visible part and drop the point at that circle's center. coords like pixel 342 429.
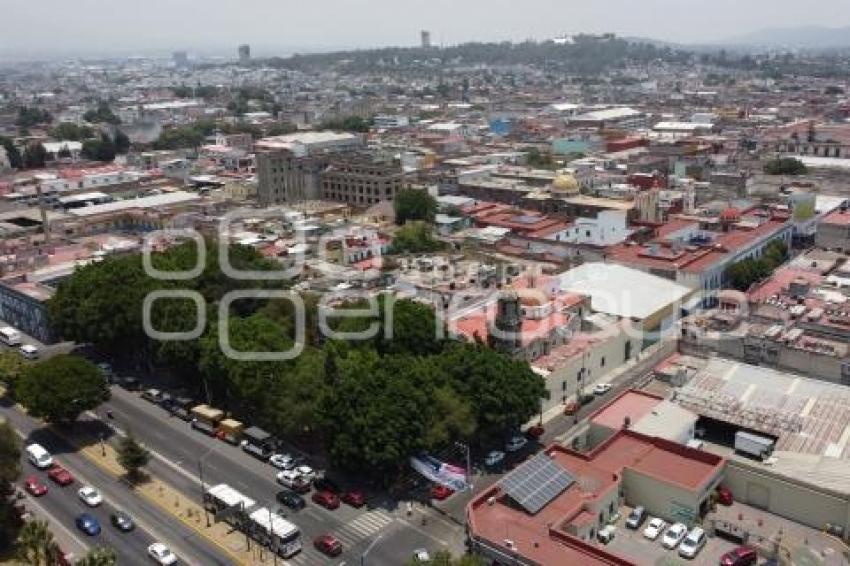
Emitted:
pixel 465 446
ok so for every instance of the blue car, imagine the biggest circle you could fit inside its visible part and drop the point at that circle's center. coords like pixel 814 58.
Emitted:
pixel 88 524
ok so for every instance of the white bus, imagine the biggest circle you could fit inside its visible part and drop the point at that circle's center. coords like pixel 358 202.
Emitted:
pixel 221 497
pixel 10 336
pixel 275 532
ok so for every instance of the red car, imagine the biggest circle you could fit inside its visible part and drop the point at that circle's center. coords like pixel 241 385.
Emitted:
pixel 326 499
pixel 354 498
pixel 535 431
pixel 440 492
pixel 328 544
pixel 741 556
pixel 34 487
pixel 724 496
pixel 60 475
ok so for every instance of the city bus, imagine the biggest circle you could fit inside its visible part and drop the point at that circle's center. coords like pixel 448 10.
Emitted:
pixel 272 530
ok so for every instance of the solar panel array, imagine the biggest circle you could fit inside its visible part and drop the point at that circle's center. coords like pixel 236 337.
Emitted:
pixel 537 482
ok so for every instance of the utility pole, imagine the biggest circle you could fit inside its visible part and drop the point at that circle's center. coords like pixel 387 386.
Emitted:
pixel 203 493
pixel 465 446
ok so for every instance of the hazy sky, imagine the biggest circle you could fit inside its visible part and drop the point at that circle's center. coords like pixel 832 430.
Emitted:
pixel 30 27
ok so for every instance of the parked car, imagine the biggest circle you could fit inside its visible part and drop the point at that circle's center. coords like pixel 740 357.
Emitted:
pixel 636 518
pixel 494 458
pixel 440 492
pixel 674 536
pixel 571 408
pixel 87 523
pixel 693 543
pixel 421 555
pixel 355 498
pixel 326 499
pixel 130 383
pixel 741 556
pixel 35 487
pixel 326 484
pixel 29 351
pixel 516 444
pixel 60 475
pixel 329 545
pixel 161 554
pixel 601 388
pixel 90 496
pixel 282 461
pixel 290 499
pixel 122 521
pixel 294 481
pixel 261 453
pixel 306 472
pixel 655 527
pixel 724 496
pixel 606 534
pixel 535 431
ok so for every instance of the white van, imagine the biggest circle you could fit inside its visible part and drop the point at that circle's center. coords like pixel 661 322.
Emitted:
pixel 10 336
pixel 39 457
pixel 29 351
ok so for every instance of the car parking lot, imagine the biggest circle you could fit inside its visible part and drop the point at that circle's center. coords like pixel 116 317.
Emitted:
pixel 628 542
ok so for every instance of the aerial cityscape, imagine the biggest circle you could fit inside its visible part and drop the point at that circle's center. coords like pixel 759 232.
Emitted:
pixel 482 283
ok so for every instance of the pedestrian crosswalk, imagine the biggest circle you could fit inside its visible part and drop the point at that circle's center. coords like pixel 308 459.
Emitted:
pixel 365 526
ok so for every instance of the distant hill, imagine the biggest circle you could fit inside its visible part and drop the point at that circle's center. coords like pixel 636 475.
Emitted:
pixel 803 37
pixel 585 54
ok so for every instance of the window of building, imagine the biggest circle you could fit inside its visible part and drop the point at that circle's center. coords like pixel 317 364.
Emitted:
pixel 602 362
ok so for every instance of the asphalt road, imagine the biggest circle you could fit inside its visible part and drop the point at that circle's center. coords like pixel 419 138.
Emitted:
pixel 180 452
pixel 64 505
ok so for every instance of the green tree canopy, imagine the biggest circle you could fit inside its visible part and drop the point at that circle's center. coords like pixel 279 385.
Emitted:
pixel 71 132
pixel 347 124
pixel 102 149
pixel 132 456
pixel 98 556
pixel 10 471
pixel 102 113
pixel 12 366
pixel 29 116
pixel 414 204
pixel 60 388
pixel 785 166
pixel 12 152
pixel 35 545
pixel 34 156
pixel 415 237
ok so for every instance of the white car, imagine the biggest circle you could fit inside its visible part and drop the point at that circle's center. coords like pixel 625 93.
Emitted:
pixel 306 472
pixel 655 527
pixel 601 388
pixel 693 543
pixel 161 554
pixel 282 461
pixel 494 458
pixel 674 536
pixel 516 443
pixel 421 555
pixel 90 496
pixel 29 351
pixel 289 478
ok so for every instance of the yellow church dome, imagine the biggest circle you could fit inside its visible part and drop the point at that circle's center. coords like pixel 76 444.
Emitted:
pixel 565 182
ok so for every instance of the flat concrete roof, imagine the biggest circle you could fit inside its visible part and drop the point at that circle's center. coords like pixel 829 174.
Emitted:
pixel 622 291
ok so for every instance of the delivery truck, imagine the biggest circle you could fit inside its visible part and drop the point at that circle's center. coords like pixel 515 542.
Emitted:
pixel 759 447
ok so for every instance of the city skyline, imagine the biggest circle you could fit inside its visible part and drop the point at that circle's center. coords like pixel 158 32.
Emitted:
pixel 274 28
